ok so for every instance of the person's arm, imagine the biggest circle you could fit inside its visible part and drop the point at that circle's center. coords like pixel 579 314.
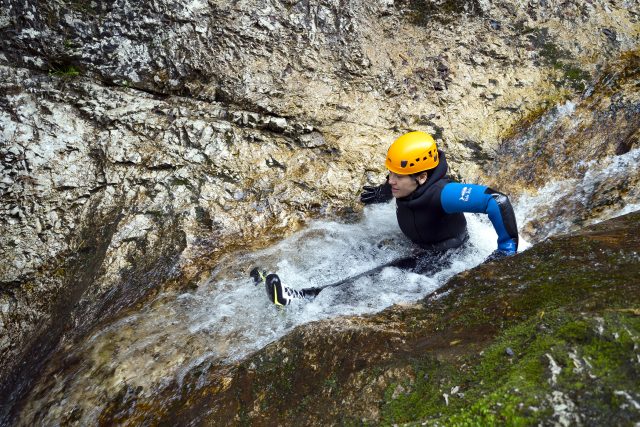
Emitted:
pixel 457 197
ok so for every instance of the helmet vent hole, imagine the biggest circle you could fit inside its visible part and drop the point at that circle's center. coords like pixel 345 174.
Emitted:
pixel 411 165
pixel 417 160
pixel 424 158
pixel 403 164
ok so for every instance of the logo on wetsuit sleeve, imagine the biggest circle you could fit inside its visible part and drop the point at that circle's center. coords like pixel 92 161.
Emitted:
pixel 465 193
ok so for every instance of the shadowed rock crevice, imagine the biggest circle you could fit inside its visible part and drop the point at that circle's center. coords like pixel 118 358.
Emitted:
pixel 425 13
pixel 81 302
pixel 74 275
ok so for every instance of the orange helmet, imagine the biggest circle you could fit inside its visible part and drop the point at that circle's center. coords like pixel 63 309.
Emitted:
pixel 411 153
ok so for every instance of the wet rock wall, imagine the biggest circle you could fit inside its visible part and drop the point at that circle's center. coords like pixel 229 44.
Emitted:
pixel 168 190
pixel 139 140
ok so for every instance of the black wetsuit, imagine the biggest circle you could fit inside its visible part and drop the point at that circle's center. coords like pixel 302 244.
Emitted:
pixel 422 218
pixel 432 217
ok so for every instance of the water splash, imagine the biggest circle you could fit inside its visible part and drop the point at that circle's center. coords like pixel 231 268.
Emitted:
pixel 227 317
pixel 606 189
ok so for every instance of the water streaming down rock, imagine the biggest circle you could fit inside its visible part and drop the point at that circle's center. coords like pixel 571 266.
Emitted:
pixel 577 202
pixel 579 183
pixel 580 155
pixel 227 317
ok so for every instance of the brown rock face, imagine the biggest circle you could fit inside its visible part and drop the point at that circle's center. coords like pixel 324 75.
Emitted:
pixel 142 140
pixel 589 140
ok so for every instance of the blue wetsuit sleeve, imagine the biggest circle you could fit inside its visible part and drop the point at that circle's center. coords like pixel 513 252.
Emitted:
pixel 473 198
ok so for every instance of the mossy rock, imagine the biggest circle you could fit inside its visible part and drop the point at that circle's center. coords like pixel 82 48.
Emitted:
pixel 551 335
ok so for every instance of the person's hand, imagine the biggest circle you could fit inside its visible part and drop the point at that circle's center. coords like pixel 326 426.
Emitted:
pixel 378 194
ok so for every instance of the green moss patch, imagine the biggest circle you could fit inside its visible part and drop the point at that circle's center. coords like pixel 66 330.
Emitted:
pixel 585 362
pixel 550 54
pixel 64 71
pixel 567 346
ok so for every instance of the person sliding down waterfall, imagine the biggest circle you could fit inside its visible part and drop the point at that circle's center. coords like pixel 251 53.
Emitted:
pixel 429 207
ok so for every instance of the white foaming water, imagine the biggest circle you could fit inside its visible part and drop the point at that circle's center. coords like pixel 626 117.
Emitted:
pixel 323 253
pixel 566 109
pixel 229 317
pixel 235 317
pixel 600 178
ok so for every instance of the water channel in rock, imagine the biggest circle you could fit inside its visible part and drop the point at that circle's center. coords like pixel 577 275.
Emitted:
pixel 227 317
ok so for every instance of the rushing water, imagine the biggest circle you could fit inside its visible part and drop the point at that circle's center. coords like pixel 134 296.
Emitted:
pixel 606 189
pixel 227 316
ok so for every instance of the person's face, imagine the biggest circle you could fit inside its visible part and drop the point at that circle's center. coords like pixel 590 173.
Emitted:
pixel 403 185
